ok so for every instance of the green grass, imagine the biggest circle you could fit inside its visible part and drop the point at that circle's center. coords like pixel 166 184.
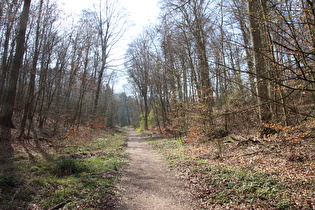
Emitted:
pixel 79 177
pixel 173 149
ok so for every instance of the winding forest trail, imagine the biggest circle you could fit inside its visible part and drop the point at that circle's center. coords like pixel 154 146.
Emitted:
pixel 148 183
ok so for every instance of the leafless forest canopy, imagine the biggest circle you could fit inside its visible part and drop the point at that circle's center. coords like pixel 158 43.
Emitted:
pixel 205 68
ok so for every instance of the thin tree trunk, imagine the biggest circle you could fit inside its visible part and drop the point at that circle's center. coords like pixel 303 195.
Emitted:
pixel 78 112
pixel 146 112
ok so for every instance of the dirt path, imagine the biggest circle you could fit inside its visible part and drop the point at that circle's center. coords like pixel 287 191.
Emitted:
pixel 148 183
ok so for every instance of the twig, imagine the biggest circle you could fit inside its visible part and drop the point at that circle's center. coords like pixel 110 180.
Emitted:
pixel 60 205
pixel 18 190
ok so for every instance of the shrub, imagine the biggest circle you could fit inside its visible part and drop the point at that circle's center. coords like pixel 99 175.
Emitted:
pixel 65 166
pixel 7 181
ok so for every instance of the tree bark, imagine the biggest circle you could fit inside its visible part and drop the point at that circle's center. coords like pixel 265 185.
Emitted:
pixel 5 61
pixel 255 13
pixel 7 107
pixel 29 105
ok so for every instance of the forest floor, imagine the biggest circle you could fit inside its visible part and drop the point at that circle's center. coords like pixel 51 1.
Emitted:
pixel 234 172
pixel 78 171
pixel 238 172
pixel 98 169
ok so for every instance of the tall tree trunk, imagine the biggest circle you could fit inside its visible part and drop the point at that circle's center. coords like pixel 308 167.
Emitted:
pixel 29 105
pixel 274 73
pixel 255 13
pixel 5 64
pixel 7 107
pixel 206 92
pixel 240 13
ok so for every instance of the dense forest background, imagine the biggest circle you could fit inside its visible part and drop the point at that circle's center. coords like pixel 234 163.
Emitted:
pixel 204 69
pixel 58 72
pixel 209 68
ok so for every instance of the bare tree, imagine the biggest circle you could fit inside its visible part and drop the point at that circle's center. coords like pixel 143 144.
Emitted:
pixel 139 65
pixel 194 20
pixel 109 23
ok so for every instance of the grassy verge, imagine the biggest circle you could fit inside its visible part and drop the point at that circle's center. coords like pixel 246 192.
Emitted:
pixel 80 175
pixel 220 185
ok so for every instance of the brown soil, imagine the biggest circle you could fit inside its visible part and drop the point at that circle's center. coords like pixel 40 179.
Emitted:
pixel 148 183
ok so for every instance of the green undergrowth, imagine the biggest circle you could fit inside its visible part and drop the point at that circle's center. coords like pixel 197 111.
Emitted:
pixel 223 186
pixel 239 186
pixel 77 177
